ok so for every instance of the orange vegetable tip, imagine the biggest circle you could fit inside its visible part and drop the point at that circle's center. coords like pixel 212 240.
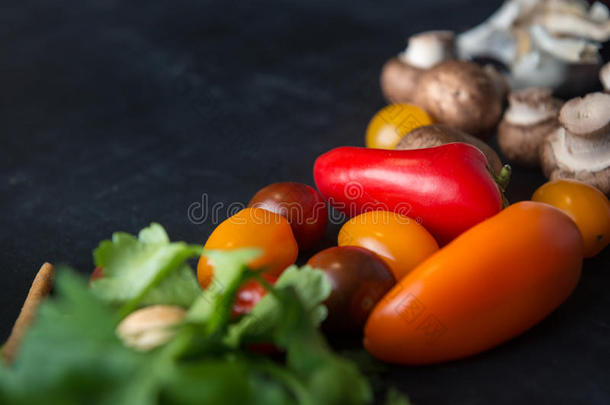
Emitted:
pixel 490 284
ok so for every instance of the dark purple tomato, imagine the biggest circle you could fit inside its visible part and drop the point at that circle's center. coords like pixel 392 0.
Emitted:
pixel 301 205
pixel 359 279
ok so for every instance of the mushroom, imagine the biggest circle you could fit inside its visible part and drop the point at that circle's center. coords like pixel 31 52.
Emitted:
pixel 574 50
pixel 580 148
pixel 604 77
pixel 460 94
pixel 425 50
pixel 493 37
pixel 150 327
pixel 567 65
pixel 593 25
pixel 429 136
pixel 530 117
pixel 550 43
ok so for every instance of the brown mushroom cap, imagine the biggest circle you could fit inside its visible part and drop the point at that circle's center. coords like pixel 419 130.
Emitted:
pixel 521 144
pixel 400 75
pixel 460 94
pixel 530 118
pixel 429 136
pixel 398 81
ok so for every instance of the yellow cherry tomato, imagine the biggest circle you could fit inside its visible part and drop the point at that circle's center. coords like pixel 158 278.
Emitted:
pixel 586 205
pixel 252 228
pixel 391 123
pixel 399 240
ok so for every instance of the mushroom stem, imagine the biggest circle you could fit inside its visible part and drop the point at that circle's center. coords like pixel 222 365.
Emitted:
pixel 503 178
pixel 575 26
pixel 531 106
pixel 583 142
pixel 582 153
pixel 568 49
pixel 604 76
pixel 428 49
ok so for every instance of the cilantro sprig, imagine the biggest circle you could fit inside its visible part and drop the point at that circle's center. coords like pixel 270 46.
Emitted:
pixel 72 355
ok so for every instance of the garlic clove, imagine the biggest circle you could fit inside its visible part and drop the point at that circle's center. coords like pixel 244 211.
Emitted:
pixel 150 327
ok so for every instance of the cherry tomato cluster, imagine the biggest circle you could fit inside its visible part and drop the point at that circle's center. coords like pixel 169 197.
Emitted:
pixel 432 265
pixel 286 218
pixel 429 267
pixel 415 302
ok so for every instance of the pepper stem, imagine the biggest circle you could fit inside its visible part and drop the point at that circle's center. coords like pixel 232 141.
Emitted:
pixel 502 179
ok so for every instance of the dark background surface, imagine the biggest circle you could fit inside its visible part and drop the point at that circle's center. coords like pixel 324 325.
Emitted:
pixel 115 114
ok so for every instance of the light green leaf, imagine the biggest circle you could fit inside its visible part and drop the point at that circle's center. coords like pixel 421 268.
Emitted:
pixel 180 288
pixel 149 268
pixel 311 287
pixel 229 269
pixel 70 352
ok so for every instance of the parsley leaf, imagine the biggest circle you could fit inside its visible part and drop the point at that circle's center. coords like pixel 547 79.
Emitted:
pixel 71 355
pixel 148 270
pixel 312 288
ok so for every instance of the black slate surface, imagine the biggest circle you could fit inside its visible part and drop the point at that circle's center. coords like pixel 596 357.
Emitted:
pixel 114 114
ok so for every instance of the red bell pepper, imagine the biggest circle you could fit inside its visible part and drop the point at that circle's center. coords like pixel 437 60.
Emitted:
pixel 448 188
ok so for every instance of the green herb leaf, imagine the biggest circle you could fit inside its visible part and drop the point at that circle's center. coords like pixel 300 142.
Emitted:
pixel 312 288
pixel 329 378
pixel 72 355
pixel 148 269
pixel 230 270
pixel 70 351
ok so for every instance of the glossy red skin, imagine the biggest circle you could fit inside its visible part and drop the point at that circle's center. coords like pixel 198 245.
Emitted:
pixel 448 188
pixel 96 274
pixel 301 205
pixel 248 295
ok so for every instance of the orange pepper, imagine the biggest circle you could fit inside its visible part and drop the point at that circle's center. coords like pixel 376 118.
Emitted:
pixel 252 228
pixel 586 205
pixel 399 240
pixel 490 284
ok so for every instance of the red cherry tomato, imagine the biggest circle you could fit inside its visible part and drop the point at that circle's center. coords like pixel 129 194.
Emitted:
pixel 301 205
pixel 248 295
pixel 96 274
